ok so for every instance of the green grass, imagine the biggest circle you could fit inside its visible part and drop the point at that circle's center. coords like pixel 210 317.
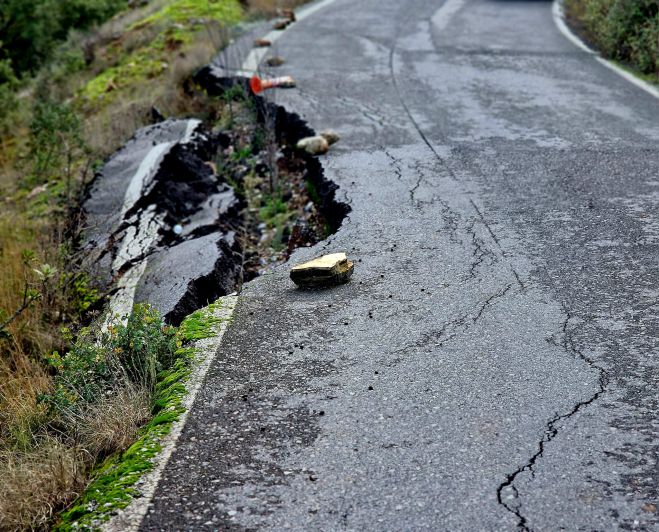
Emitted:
pixel 176 25
pixel 113 481
pixel 185 11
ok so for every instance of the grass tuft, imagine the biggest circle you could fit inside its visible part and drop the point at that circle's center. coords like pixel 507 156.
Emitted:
pixel 112 487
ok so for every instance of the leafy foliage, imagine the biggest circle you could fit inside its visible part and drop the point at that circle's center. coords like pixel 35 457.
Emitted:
pixel 30 30
pixel 55 140
pixel 625 30
pixel 130 354
pixel 113 480
pixel 8 100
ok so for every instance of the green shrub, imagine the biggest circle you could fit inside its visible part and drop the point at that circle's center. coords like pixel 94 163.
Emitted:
pixel 625 30
pixel 8 99
pixel 31 30
pixel 55 141
pixel 100 364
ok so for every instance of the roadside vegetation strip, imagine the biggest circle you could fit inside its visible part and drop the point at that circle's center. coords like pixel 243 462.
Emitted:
pixel 114 481
pixel 56 129
pixel 625 32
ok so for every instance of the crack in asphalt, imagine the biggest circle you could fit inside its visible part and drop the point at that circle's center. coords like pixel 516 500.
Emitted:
pixel 512 502
pixel 488 301
pixel 395 161
pixel 480 252
pixel 488 226
pixel 417 184
pixel 518 279
pixel 408 112
pixel 485 222
pixel 376 119
pixel 450 329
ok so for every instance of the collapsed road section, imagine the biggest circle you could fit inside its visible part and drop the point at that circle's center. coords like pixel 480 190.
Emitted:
pixel 135 240
pixel 163 226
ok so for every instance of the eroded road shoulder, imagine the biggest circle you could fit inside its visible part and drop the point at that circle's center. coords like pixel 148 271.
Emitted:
pixel 490 366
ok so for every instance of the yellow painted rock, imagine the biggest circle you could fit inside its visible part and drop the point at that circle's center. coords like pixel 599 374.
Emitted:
pixel 314 145
pixel 324 271
pixel 330 136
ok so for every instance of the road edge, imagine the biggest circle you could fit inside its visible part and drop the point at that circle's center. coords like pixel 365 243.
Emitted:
pixel 131 517
pixel 205 351
pixel 558 14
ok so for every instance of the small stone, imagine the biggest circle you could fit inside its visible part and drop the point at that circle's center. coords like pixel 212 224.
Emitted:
pixel 281 24
pixel 314 145
pixel 275 61
pixel 331 136
pixel 262 43
pixel 177 229
pixel 287 14
pixel 324 271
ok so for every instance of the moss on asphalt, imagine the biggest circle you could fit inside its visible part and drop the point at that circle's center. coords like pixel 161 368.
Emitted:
pixel 113 482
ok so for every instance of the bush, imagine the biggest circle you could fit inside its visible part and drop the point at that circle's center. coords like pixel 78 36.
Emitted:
pixel 625 30
pixel 31 30
pixel 8 100
pixel 55 141
pixel 104 391
pixel 125 356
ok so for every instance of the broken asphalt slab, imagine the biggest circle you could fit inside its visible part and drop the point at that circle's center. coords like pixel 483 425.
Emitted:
pixel 158 180
pixel 491 364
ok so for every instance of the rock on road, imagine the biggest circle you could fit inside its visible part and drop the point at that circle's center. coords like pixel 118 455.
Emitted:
pixel 492 365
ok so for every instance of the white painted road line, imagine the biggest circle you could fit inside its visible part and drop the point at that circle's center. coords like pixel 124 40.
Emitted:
pixel 445 13
pixel 559 20
pixel 131 517
pixel 251 63
pixel 138 241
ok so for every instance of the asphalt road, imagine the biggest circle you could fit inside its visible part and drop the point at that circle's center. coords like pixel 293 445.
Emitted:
pixel 493 363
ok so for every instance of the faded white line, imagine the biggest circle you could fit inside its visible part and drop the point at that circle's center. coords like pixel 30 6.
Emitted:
pixel 444 14
pixel 131 517
pixel 189 130
pixel 559 20
pixel 121 303
pixel 144 175
pixel 251 63
pixel 137 241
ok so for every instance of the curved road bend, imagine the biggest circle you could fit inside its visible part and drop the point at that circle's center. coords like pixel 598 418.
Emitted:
pixel 493 363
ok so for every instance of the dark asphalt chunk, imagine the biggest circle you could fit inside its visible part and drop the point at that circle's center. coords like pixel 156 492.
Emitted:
pixel 158 180
pixel 516 179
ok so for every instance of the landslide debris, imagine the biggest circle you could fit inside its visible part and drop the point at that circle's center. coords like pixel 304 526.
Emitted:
pixel 189 209
pixel 324 271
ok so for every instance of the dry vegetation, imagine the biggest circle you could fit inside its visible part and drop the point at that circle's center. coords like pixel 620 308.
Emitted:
pixel 98 88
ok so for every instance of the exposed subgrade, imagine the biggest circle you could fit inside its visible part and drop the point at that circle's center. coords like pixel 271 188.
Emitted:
pixel 159 210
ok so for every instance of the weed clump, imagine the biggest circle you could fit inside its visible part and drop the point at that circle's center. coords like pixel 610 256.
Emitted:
pixel 625 30
pixel 104 390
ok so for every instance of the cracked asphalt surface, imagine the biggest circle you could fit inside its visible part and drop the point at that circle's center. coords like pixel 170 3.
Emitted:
pixel 492 364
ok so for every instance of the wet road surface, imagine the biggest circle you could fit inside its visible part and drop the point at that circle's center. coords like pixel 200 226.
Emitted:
pixel 492 365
